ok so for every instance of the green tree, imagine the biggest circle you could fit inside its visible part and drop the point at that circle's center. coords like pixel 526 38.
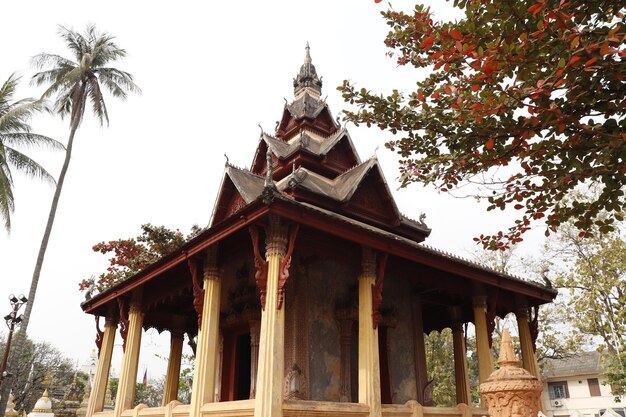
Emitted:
pixel 38 362
pixel 74 84
pixel 592 274
pixel 440 365
pixel 16 134
pixel 523 99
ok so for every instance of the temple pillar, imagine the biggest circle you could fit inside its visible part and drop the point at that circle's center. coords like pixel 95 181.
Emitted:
pixel 529 360
pixel 485 361
pixel 421 371
pixel 461 375
pixel 271 362
pixel 207 349
pixel 101 378
pixel 170 390
pixel 125 397
pixel 369 366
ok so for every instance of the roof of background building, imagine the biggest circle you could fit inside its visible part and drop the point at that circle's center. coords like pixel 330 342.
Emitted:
pixel 585 363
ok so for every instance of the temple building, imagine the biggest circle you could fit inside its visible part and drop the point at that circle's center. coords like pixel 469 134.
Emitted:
pixel 309 294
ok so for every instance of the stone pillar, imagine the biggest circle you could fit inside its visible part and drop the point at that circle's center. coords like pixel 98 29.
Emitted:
pixel 271 365
pixel 128 373
pixel 208 337
pixel 510 391
pixel 345 320
pixel 485 362
pixel 461 376
pixel 421 371
pixel 529 360
pixel 101 378
pixel 255 331
pixel 369 366
pixel 170 390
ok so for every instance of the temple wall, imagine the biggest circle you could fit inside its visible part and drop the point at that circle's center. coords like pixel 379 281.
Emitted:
pixel 400 339
pixel 328 284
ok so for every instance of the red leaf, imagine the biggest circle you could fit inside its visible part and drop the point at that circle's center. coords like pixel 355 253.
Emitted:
pixel 591 61
pixel 428 42
pixel 420 96
pixel 475 87
pixel 574 60
pixel 581 234
pixel 518 206
pixel 489 144
pixel 377 1
pixel 456 35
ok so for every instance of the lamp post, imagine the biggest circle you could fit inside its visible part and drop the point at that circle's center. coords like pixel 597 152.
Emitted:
pixel 12 320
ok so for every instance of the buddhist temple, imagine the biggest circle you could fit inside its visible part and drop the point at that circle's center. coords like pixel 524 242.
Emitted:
pixel 309 294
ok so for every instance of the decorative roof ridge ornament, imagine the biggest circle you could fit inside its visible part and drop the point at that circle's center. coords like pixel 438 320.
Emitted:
pixel 297 176
pixel 307 80
pixel 269 188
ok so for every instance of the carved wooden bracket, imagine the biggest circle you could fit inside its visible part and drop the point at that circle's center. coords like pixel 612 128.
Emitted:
pixel 533 324
pixel 260 264
pixel 285 263
pixel 99 335
pixel 198 291
pixel 121 303
pixel 377 290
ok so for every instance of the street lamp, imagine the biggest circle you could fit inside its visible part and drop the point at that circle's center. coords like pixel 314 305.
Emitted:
pixel 12 320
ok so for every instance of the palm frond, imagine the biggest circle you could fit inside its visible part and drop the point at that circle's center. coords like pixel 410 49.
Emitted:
pixel 121 79
pixel 27 166
pixel 44 60
pixel 97 101
pixel 30 140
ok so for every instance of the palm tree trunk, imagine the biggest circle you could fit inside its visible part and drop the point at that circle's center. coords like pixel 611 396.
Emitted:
pixel 20 336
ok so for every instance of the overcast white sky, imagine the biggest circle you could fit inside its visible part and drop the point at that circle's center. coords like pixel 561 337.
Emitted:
pixel 210 73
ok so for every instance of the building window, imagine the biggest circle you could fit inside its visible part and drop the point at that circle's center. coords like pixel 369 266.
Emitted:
pixel 558 389
pixel 594 387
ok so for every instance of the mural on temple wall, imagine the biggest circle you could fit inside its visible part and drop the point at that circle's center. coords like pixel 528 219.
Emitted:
pixel 400 339
pixel 329 285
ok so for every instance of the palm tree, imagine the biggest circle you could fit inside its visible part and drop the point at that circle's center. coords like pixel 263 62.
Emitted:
pixel 74 83
pixel 15 133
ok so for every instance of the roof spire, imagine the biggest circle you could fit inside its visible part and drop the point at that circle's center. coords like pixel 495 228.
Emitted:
pixel 307 80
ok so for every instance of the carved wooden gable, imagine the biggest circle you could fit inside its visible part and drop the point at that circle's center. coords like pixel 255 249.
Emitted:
pixel 373 200
pixel 228 203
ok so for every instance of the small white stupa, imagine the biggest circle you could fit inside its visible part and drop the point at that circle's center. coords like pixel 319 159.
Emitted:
pixel 10 409
pixel 43 407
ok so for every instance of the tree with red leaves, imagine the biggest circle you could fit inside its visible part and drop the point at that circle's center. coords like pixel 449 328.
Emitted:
pixel 134 254
pixel 525 101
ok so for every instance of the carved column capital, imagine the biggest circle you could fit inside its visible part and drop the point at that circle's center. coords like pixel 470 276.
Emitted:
pixel 480 301
pixel 110 322
pixel 521 312
pixel 211 270
pixel 277 237
pixel 368 262
pixel 135 308
pixel 455 313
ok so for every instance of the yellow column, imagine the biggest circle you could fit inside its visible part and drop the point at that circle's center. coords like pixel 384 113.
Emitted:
pixel 461 375
pixel 208 337
pixel 421 370
pixel 369 366
pixel 271 365
pixel 170 390
pixel 128 374
pixel 485 361
pixel 529 360
pixel 101 379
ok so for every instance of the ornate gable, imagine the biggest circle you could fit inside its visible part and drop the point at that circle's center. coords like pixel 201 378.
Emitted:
pixel 372 199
